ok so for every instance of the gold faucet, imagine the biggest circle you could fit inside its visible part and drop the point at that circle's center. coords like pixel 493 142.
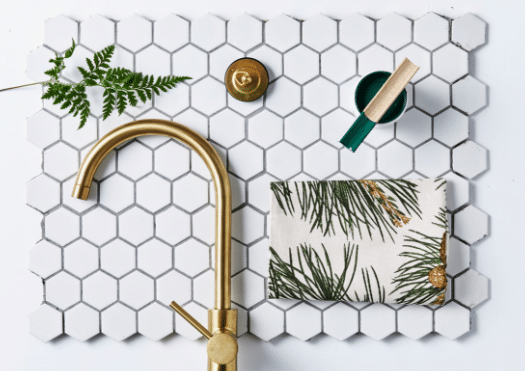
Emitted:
pixel 222 321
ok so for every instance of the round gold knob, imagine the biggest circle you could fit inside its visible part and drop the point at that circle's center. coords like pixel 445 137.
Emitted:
pixel 246 79
pixel 222 348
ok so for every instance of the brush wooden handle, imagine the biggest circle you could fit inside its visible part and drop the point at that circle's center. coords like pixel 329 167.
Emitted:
pixel 390 90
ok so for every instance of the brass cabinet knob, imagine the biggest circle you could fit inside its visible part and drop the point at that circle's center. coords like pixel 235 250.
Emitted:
pixel 246 79
pixel 222 347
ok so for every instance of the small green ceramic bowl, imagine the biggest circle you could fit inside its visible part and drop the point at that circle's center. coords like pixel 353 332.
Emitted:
pixel 368 87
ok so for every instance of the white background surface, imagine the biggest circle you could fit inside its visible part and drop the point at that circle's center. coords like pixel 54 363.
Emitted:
pixel 496 340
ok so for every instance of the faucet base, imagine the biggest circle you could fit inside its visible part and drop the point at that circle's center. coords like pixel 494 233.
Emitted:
pixel 223 321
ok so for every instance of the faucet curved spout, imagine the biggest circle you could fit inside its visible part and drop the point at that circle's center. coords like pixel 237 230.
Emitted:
pixel 215 166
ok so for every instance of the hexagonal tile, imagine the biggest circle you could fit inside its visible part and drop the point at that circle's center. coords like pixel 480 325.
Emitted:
pixel 97 32
pixel 418 56
pixel 381 135
pixel 62 226
pixel 414 321
pixel 184 328
pixel 259 192
pixel 45 323
pixel 62 290
pixel 340 321
pixel 358 164
pixel 135 160
pixel 266 322
pixel 99 290
pixel 45 259
pixel 37 63
pixel 134 32
pixel 301 128
pixel 451 127
pixel 190 184
pixel 192 257
pixel 204 224
pixel 469 159
pixel 208 32
pixel 394 31
pixel 356 31
pixel 334 126
pixel 450 62
pixel 469 31
pixel 245 160
pixel 457 191
pixel 301 64
pixel 298 316
pixel 265 129
pixel 272 60
pixel 432 95
pixel 116 193
pixel 208 96
pixel 171 32
pixel 99 226
pixel 245 108
pixel 338 64
pixel 117 258
pixel 43 129
pixel 458 256
pixel 153 61
pixel 81 322
pixel 154 257
pixel 282 32
pixel 452 321
pixel 471 224
pixel 165 222
pixel 375 58
pixel 319 32
pixel 136 290
pixel 378 321
pixel 245 32
pixel 59 31
pixel 203 287
pixel 173 286
pixel 432 159
pixel 153 201
pixel 431 31
pixel 118 322
pixel 79 138
pixel 244 217
pixel 190 61
pixel 155 321
pixel 227 128
pixel 283 97
pixel 81 258
pixel 43 193
pixel 259 257
pixel 471 288
pixel 469 95
pixel 283 161
pixel 194 121
pixel 172 160
pixel 247 289
pixel 320 160
pixel 135 225
pixel 221 58
pixel 394 159
pixel 320 96
pixel 239 257
pixel 60 161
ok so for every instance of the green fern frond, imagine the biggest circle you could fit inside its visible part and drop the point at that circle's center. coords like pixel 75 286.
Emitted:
pixel 121 86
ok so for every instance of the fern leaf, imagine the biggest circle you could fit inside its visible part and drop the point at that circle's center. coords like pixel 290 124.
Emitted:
pixel 90 64
pixel 69 52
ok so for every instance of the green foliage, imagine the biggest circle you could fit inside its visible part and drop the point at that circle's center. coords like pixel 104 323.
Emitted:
pixel 121 86
pixel 369 288
pixel 311 278
pixel 355 205
pixel 424 254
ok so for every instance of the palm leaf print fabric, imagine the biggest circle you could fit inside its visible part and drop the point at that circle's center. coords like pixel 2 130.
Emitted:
pixel 359 240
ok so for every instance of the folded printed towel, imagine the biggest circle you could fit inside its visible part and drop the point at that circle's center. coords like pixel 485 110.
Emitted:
pixel 359 240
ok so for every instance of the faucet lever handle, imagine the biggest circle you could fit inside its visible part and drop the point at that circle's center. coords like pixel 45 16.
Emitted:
pixel 188 317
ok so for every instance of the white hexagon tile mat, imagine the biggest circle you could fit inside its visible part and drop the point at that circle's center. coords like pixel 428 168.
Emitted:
pixel 145 236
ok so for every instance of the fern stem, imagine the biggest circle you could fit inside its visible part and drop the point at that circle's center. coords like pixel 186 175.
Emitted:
pixel 23 86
